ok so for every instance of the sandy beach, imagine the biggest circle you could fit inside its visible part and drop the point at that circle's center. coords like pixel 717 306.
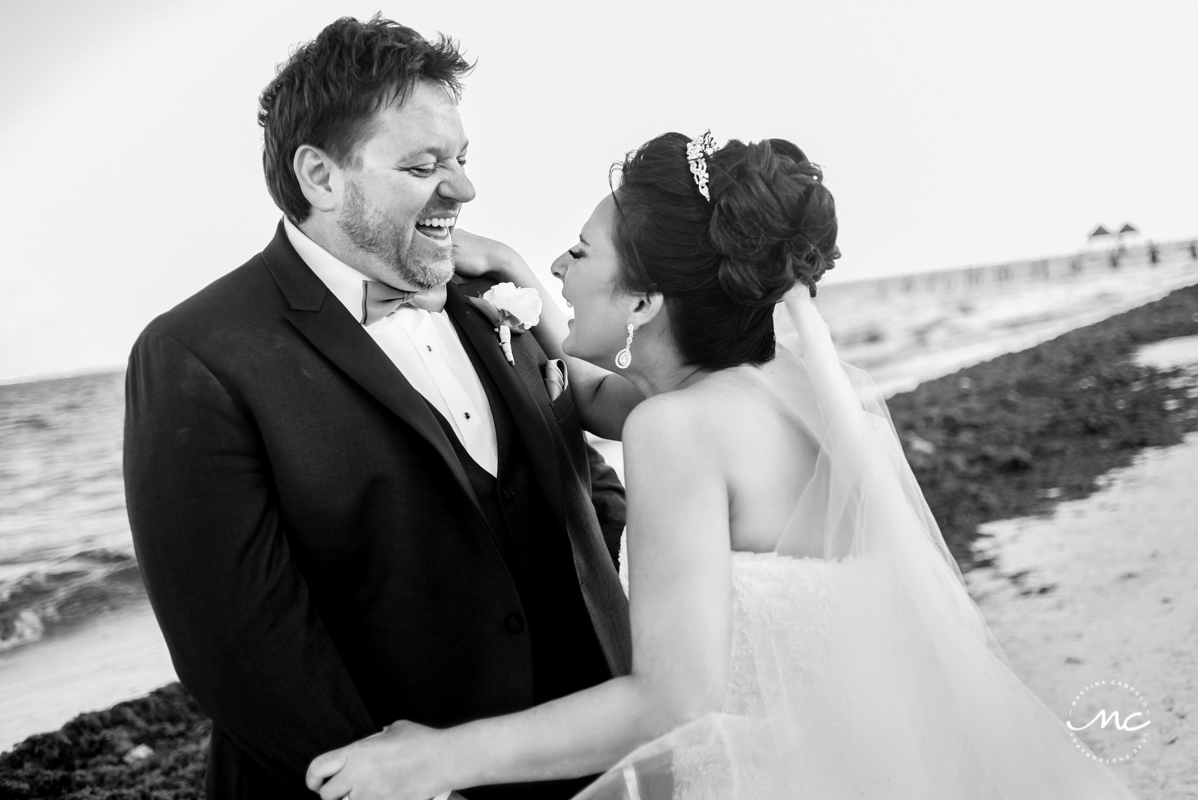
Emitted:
pixel 1103 588
pixel 114 658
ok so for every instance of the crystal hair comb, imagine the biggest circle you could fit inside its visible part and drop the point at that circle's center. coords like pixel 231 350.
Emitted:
pixel 697 152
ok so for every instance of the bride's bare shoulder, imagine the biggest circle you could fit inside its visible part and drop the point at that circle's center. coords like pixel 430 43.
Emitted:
pixel 747 391
pixel 727 404
pixel 682 410
pixel 668 457
pixel 665 416
pixel 670 426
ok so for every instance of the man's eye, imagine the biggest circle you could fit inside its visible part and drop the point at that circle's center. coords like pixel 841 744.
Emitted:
pixel 462 161
pixel 575 253
pixel 423 171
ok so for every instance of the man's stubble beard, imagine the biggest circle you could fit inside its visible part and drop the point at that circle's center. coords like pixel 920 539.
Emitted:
pixel 373 232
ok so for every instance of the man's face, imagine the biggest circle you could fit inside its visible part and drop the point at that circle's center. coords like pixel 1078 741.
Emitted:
pixel 399 207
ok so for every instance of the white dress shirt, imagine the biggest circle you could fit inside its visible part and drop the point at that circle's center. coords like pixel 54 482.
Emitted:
pixel 423 345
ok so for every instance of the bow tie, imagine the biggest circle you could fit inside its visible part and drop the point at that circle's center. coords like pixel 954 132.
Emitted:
pixel 379 300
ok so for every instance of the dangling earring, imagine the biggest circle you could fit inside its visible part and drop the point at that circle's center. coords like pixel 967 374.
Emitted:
pixel 624 357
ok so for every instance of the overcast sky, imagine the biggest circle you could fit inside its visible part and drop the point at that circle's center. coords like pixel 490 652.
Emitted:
pixel 950 133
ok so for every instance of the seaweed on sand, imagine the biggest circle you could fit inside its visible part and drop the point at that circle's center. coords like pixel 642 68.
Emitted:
pixel 97 756
pixel 1014 435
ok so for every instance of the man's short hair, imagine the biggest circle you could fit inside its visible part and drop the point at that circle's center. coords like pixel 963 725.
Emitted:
pixel 327 93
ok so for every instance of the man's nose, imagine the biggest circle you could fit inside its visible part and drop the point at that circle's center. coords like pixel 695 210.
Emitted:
pixel 457 186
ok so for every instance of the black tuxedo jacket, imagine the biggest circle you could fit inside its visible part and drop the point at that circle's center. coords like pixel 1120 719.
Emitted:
pixel 313 549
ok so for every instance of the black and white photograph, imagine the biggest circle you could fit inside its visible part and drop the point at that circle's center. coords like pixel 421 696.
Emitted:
pixel 647 400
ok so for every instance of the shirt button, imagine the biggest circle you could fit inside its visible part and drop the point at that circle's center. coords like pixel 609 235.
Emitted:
pixel 466 415
pixel 513 623
pixel 428 347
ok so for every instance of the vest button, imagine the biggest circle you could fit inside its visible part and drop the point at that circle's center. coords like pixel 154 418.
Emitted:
pixel 514 623
pixel 509 495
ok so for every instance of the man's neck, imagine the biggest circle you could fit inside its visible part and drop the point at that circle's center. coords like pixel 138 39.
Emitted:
pixel 326 233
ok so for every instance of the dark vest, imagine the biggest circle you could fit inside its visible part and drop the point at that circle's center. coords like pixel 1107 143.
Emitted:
pixel 566 656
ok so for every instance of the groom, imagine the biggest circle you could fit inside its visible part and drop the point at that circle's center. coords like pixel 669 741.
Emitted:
pixel 349 508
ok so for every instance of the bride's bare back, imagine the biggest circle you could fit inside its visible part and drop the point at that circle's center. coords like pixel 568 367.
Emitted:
pixel 768 453
pixel 746 419
pixel 712 468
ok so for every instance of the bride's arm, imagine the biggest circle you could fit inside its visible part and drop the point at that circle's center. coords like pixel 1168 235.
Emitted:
pixel 604 398
pixel 681 630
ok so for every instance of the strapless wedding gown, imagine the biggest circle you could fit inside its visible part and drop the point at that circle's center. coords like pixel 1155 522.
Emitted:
pixel 869 674
pixel 831 694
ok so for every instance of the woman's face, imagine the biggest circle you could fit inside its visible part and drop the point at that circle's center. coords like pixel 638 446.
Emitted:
pixel 589 273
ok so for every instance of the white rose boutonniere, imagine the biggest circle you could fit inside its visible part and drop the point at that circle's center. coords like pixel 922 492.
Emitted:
pixel 511 309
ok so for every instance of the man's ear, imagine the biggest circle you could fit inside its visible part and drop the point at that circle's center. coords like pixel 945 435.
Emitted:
pixel 319 178
pixel 645 308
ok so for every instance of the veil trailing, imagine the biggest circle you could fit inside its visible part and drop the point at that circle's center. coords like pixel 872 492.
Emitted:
pixel 864 670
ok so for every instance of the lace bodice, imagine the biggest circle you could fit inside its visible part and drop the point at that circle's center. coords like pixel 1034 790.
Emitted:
pixel 783 614
pixel 781 606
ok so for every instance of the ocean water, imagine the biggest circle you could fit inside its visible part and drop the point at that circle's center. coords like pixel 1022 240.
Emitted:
pixel 65 550
pixel 912 328
pixel 70 592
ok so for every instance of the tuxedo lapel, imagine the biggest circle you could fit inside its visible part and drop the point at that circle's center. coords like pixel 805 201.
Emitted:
pixel 325 323
pixel 530 422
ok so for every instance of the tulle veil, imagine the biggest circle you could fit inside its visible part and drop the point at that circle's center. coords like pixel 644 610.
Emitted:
pixel 921 702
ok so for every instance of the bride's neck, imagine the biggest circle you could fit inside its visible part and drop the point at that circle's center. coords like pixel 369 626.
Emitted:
pixel 660 369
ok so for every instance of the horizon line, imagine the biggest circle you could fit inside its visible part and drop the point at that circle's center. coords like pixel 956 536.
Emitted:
pixel 1141 241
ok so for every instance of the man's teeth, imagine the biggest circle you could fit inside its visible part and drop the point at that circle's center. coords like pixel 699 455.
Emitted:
pixel 437 222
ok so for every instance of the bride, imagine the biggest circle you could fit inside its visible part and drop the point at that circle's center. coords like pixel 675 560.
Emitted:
pixel 799 628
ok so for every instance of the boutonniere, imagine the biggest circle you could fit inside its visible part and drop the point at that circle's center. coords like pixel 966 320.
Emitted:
pixel 511 310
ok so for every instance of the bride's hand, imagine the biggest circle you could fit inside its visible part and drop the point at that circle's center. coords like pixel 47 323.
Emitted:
pixel 799 290
pixel 475 255
pixel 405 761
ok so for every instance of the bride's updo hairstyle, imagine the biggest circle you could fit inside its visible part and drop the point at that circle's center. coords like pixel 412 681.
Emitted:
pixel 723 265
